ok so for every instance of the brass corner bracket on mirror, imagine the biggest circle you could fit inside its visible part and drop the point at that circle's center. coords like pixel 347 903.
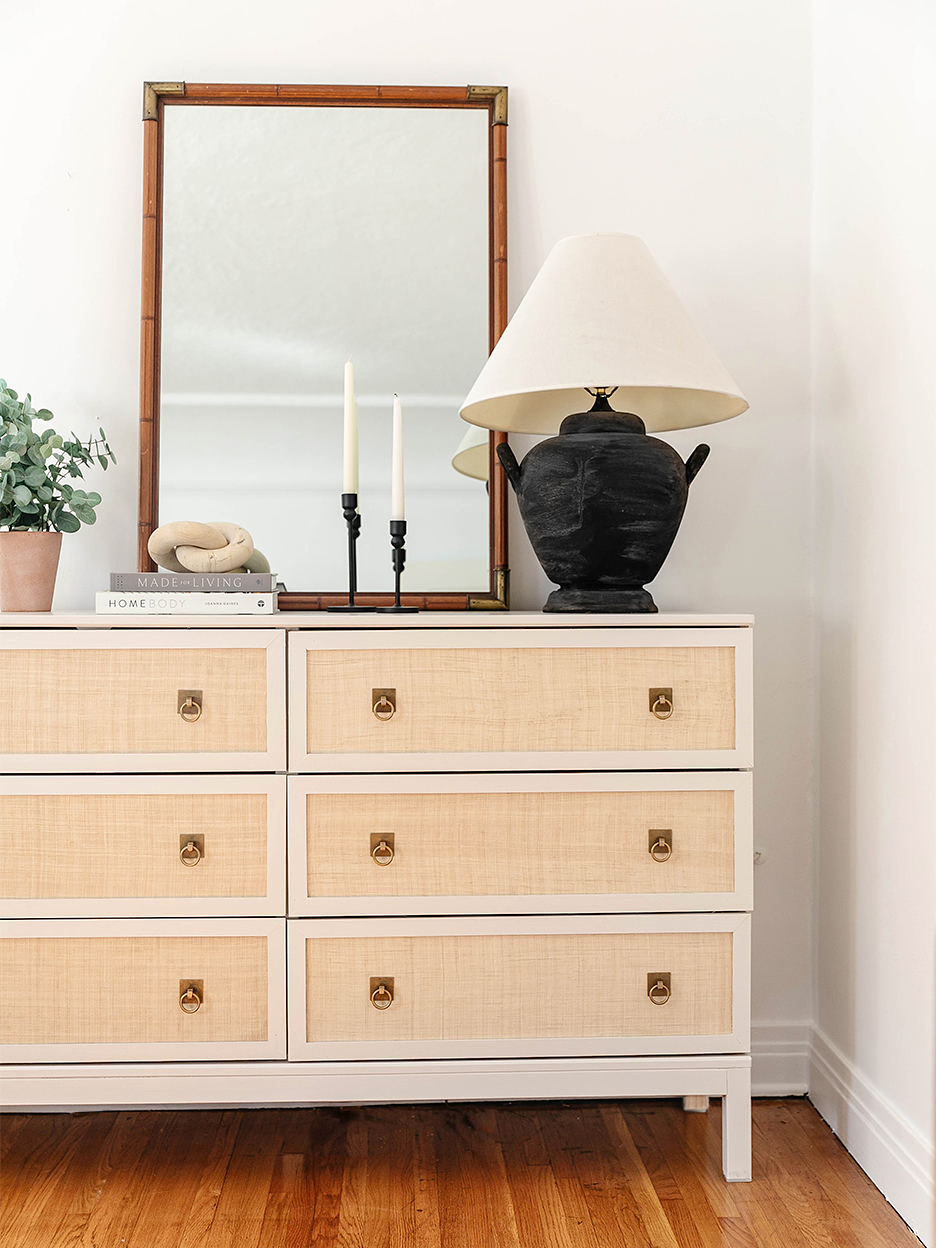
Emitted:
pixel 280 368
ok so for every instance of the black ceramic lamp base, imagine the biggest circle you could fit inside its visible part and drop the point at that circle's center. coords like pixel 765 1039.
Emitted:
pixel 596 601
pixel 601 504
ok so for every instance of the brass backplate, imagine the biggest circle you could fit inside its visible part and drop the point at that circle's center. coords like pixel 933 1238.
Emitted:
pixel 195 695
pixel 389 694
pixel 656 977
pixel 655 834
pixel 377 837
pixel 197 839
pixel 197 984
pixel 660 693
pixel 386 980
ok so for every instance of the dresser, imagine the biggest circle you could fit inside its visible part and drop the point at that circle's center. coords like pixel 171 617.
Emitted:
pixel 309 859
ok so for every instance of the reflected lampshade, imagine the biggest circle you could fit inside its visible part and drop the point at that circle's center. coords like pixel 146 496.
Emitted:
pixel 473 457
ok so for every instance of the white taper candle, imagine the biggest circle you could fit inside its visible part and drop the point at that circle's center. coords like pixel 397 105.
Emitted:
pixel 397 505
pixel 350 432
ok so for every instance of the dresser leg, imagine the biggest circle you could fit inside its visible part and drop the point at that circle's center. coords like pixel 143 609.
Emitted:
pixel 695 1104
pixel 736 1127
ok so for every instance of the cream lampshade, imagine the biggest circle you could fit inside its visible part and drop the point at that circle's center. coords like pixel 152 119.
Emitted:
pixel 601 313
pixel 473 457
pixel 602 502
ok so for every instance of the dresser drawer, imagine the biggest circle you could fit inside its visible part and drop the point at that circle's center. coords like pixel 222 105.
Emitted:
pixel 143 700
pixel 517 986
pixel 112 990
pixel 521 699
pixel 135 846
pixel 519 843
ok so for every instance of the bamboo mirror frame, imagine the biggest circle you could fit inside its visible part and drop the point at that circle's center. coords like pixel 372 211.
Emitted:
pixel 158 96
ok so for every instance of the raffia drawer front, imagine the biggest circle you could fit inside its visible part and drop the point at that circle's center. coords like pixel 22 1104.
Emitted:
pixel 124 990
pixel 490 844
pixel 520 699
pixel 127 846
pixel 518 987
pixel 75 701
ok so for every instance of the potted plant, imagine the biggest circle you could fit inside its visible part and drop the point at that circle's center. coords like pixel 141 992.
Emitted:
pixel 37 502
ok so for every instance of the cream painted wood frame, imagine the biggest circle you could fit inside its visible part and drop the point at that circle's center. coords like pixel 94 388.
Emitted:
pixel 299 931
pixel 271 930
pixel 272 641
pixel 300 904
pixel 737 639
pixel 270 902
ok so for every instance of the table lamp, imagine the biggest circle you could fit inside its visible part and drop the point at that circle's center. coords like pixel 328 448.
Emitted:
pixel 602 502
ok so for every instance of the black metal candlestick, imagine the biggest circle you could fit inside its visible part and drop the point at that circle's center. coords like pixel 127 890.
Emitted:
pixel 353 519
pixel 397 539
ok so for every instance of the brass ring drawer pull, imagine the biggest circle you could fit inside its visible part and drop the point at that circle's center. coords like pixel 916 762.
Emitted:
pixel 190 1000
pixel 190 855
pixel 661 703
pixel 659 991
pixel 190 705
pixel 382 997
pixel 384 706
pixel 382 853
pixel 660 850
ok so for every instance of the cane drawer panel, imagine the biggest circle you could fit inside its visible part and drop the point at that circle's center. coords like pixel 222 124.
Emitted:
pixel 94 697
pixel 117 994
pixel 121 852
pixel 520 701
pixel 585 846
pixel 491 993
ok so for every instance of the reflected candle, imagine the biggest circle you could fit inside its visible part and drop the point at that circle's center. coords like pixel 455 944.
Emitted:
pixel 397 509
pixel 350 432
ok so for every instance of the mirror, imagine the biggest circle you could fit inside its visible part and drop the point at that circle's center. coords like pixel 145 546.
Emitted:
pixel 286 230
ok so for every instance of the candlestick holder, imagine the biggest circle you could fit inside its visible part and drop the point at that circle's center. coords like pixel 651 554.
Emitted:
pixel 397 540
pixel 353 520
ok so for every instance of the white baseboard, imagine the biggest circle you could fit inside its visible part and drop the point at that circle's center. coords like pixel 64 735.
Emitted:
pixel 780 1058
pixel 890 1150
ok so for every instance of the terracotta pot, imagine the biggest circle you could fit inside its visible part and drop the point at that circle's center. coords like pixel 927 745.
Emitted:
pixel 28 564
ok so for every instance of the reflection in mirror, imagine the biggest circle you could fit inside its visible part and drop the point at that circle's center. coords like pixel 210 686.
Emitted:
pixel 293 238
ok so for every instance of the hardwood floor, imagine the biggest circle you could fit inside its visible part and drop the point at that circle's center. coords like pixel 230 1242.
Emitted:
pixel 584 1174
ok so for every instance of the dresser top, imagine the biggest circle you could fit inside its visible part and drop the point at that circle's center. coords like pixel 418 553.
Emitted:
pixel 323 620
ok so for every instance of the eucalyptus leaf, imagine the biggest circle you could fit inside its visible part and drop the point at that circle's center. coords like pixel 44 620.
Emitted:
pixel 67 523
pixel 35 476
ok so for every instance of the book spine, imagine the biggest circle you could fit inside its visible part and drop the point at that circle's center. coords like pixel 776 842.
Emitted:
pixel 109 603
pixel 195 582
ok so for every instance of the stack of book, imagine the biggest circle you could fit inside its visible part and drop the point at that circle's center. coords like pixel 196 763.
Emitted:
pixel 188 593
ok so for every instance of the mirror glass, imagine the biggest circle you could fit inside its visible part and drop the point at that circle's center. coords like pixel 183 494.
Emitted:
pixel 293 238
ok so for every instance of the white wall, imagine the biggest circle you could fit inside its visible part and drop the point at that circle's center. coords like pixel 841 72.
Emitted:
pixel 685 122
pixel 875 348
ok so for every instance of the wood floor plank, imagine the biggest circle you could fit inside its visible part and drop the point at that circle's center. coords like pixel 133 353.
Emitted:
pixel 239 1213
pixel 541 1218
pixel 474 1200
pixel 566 1144
pixel 650 1211
pixel 129 1150
pixel 426 1228
pixel 167 1200
pixel 201 1212
pixel 353 1186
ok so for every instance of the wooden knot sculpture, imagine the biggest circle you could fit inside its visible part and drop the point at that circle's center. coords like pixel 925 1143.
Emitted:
pixel 187 546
